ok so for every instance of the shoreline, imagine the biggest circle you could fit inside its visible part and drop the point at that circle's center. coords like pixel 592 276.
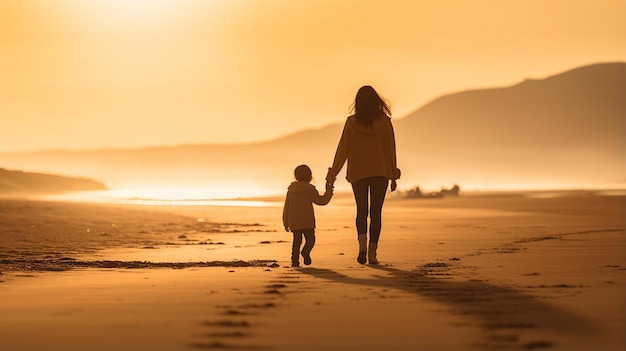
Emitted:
pixel 91 197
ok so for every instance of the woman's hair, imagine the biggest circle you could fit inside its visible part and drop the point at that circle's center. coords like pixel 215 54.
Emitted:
pixel 303 173
pixel 368 105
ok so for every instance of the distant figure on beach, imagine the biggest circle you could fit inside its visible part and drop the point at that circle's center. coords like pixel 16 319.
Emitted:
pixel 298 214
pixel 368 145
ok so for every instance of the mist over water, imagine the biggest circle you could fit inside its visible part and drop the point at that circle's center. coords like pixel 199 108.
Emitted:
pixel 266 198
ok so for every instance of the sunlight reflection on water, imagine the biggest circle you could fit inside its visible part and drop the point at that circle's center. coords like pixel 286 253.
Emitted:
pixel 164 197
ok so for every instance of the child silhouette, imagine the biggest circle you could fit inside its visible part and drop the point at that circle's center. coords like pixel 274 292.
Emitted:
pixel 298 215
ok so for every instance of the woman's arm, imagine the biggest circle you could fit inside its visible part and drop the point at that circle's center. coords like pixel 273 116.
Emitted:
pixel 341 155
pixel 392 153
pixel 393 158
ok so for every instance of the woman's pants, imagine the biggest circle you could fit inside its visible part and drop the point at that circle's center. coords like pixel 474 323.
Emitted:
pixel 368 190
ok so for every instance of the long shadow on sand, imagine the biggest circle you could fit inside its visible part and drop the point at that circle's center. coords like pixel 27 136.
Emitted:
pixel 501 312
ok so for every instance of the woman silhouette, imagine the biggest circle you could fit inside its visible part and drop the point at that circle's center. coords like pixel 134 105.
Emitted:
pixel 368 145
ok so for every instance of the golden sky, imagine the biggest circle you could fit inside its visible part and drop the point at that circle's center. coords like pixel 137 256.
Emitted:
pixel 86 74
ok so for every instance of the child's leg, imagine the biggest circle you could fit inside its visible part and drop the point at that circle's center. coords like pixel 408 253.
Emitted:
pixel 309 235
pixel 295 247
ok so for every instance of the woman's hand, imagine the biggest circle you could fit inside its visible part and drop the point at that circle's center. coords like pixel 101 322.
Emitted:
pixel 394 185
pixel 398 173
pixel 329 178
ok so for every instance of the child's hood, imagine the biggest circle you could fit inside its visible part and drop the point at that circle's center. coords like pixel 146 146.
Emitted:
pixel 300 187
pixel 378 124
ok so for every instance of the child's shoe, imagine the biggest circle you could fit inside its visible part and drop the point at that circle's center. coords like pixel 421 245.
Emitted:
pixel 307 257
pixel 295 264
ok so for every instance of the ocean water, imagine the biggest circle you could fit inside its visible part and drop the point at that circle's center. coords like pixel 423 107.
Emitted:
pixel 171 197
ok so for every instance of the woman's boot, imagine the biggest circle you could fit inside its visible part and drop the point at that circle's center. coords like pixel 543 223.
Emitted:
pixel 371 253
pixel 362 249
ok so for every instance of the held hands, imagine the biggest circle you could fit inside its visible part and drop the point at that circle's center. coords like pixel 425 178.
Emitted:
pixel 330 181
pixel 329 178
pixel 330 186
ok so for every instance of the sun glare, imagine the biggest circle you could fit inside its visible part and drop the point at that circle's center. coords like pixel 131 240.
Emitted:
pixel 134 7
pixel 136 13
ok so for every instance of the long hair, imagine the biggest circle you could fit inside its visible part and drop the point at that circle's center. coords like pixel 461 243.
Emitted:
pixel 369 105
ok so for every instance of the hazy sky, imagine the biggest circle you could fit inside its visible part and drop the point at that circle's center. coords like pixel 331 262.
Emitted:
pixel 85 74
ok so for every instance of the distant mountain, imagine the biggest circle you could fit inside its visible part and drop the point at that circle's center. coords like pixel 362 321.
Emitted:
pixel 19 182
pixel 566 130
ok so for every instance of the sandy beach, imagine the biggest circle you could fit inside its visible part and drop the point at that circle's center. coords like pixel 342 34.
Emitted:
pixel 479 272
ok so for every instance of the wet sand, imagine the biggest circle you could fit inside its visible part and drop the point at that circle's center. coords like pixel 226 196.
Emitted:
pixel 472 273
